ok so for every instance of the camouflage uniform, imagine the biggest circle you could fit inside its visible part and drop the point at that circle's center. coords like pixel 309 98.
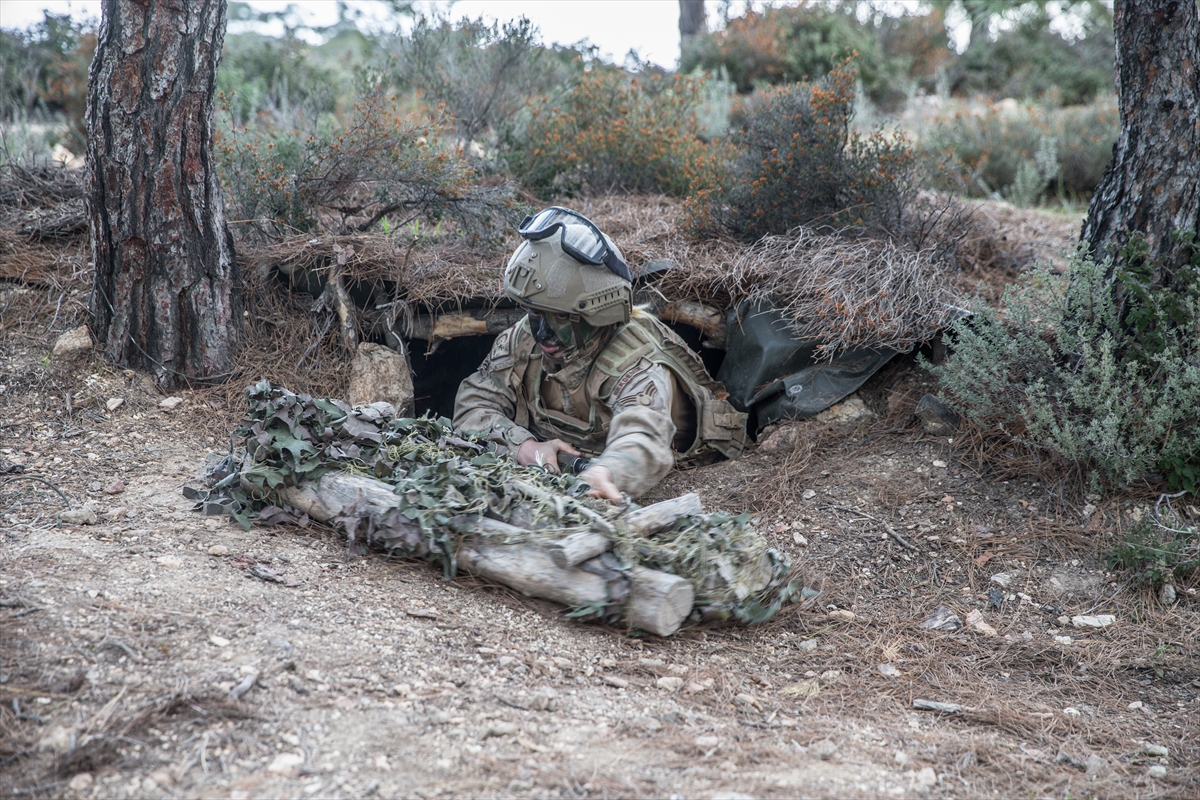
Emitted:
pixel 636 404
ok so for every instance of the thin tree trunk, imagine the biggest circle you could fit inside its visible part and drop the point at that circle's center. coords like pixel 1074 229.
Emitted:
pixel 165 295
pixel 692 21
pixel 1152 185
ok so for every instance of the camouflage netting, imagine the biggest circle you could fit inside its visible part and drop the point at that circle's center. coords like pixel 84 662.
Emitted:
pixel 446 479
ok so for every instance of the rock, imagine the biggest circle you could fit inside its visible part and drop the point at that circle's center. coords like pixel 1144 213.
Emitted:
pixel 888 671
pixel 1073 581
pixel 975 622
pixel 170 562
pixel 1002 578
pixel 78 516
pixel 615 682
pixel 782 438
pixel 72 343
pixel 1093 620
pixel 942 620
pixel 1096 766
pixel 708 742
pixel 733 796
pixel 809 494
pixel 218 550
pixel 81 782
pixel 670 683
pixel 1136 705
pixel 1157 771
pixel 748 700
pixel 380 373
pixel 800 540
pixel 927 777
pixel 1071 711
pixel 1166 595
pixel 285 763
pixel 57 740
pixel 1156 750
pixel 116 487
pixel 1063 639
pixel 807 646
pixel 170 402
pixel 544 698
pixel 937 418
pixel 219 641
pixel 499 728
pixel 849 410
pixel 842 615
pixel 113 403
pixel 823 749
pixel 1087 511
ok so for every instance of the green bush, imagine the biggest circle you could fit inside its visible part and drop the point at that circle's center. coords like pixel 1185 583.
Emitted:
pixel 1106 384
pixel 984 153
pixel 614 132
pixel 483 74
pixel 382 166
pixel 793 43
pixel 1156 554
pixel 282 77
pixel 796 162
pixel 1031 61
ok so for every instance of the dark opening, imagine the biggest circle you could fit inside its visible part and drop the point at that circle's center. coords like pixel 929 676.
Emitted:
pixel 436 375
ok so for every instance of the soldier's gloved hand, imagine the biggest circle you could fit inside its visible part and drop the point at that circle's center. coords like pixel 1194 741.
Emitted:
pixel 600 479
pixel 543 454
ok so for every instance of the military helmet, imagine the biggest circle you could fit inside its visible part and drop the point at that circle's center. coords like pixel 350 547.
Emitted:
pixel 542 275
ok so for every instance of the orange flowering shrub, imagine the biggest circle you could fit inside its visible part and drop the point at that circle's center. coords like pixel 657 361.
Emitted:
pixel 798 163
pixel 611 132
pixel 382 167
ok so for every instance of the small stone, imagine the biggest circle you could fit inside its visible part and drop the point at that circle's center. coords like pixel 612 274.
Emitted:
pixel 1166 595
pixel 942 620
pixel 219 641
pixel 748 700
pixel 800 540
pixel 842 615
pixel 1136 705
pixel 615 682
pixel 170 402
pixel 670 683
pixel 1093 620
pixel 116 487
pixel 170 562
pixel 1096 765
pixel 1002 578
pixel 81 782
pixel 831 676
pixel 888 671
pixel 807 646
pixel 781 438
pixel 73 342
pixel 285 763
pixel 927 777
pixel 1156 750
pixel 1087 511
pixel 1157 771
pixel 809 494
pixel 95 486
pixel 708 742
pixel 114 403
pixel 823 749
pixel 57 740
pixel 1071 711
pixel 937 418
pixel 78 516
pixel 733 796
pixel 942 465
pixel 218 550
pixel 1063 639
pixel 975 622
pixel 499 728
pixel 543 698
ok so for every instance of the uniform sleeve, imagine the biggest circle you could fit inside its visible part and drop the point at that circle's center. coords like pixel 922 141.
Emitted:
pixel 486 401
pixel 638 452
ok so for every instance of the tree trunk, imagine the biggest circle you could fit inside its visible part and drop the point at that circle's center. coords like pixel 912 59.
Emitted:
pixel 165 296
pixel 692 21
pixel 1152 186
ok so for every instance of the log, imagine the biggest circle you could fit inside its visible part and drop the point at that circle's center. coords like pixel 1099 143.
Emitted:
pixel 656 601
pixel 660 516
pixel 578 547
pixel 706 319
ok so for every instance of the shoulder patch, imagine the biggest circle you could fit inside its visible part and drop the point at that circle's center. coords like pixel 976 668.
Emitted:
pixel 647 385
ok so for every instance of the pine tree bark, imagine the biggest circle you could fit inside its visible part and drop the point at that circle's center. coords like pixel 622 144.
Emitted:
pixel 165 296
pixel 1152 185
pixel 692 21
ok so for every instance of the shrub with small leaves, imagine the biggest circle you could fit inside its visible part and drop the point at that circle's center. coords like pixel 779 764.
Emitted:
pixel 382 165
pixel 797 162
pixel 1102 369
pixel 615 132
pixel 1155 553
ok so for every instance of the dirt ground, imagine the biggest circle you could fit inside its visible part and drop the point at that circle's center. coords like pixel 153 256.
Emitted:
pixel 159 653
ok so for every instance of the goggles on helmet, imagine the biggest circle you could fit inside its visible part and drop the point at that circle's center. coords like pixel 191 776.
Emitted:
pixel 581 239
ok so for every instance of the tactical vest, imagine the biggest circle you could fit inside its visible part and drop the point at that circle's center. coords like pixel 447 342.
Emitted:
pixel 720 428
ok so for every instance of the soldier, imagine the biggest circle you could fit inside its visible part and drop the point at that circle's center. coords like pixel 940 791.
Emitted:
pixel 585 379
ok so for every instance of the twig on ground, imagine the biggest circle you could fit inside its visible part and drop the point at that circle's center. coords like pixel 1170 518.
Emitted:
pixel 890 531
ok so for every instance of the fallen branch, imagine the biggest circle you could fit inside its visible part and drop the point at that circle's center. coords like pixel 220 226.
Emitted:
pixel 886 527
